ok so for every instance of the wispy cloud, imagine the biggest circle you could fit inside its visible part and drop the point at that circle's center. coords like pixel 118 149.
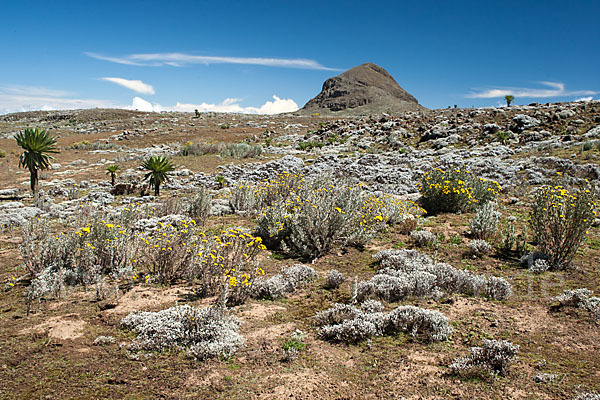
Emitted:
pixel 135 85
pixel 22 90
pixel 180 59
pixel 29 98
pixel 553 89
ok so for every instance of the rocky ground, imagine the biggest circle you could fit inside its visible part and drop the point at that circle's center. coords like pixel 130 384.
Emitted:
pixel 50 353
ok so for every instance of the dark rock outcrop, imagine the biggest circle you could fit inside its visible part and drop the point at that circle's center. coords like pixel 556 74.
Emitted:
pixel 366 89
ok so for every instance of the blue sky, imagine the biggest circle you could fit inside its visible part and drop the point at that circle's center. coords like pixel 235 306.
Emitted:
pixel 236 55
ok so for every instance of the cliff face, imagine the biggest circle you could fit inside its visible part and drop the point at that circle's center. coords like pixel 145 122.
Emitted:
pixel 366 89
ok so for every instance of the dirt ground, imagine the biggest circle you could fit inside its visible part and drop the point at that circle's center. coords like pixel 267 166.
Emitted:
pixel 50 354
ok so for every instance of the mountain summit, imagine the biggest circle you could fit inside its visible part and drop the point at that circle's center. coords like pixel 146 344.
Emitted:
pixel 365 89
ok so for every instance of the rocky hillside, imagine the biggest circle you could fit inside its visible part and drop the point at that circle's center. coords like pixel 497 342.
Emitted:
pixel 366 89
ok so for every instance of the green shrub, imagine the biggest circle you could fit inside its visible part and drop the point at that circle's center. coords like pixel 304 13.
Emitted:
pixel 560 219
pixel 2 154
pixel 455 190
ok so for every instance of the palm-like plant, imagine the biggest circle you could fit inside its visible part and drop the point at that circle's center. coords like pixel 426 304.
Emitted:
pixel 159 167
pixel 112 170
pixel 37 144
pixel 509 99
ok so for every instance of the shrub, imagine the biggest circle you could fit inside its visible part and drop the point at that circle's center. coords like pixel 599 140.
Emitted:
pixel 423 238
pixel 539 266
pixel 408 273
pixel 455 190
pixel 244 198
pixel 214 262
pixel 307 220
pixel 334 279
pixel 320 216
pixel 419 322
pixel 485 223
pixel 98 248
pixel 493 357
pixel 241 150
pixel 203 332
pixel 587 396
pixel 287 281
pixel 582 299
pixel 350 324
pixel 560 219
pixel 234 150
pixel 104 340
pixel 294 345
pixel 199 205
pixel 479 248
pixel 200 149
pixel 498 288
pixel 2 154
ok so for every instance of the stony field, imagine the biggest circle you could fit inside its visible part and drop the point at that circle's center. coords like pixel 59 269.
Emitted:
pixel 416 256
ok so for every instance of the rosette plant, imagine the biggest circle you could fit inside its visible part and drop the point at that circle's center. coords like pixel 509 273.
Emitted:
pixel 159 168
pixel 38 144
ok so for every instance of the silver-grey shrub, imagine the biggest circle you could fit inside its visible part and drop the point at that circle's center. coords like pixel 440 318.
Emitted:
pixel 104 340
pixel 418 322
pixel 498 288
pixel 422 238
pixel 244 198
pixel 494 357
pixel 539 266
pixel 479 248
pixel 287 281
pixel 349 324
pixel 199 205
pixel 485 223
pixel 202 332
pixel 319 217
pixel 334 279
pixel 582 299
pixel 587 396
pixel 408 273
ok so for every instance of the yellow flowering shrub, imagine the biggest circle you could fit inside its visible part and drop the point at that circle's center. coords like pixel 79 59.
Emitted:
pixel 253 198
pixel 320 214
pixel 455 190
pixel 212 261
pixel 560 219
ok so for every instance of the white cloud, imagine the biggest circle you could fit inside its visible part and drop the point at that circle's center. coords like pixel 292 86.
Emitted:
pixel 556 89
pixel 144 105
pixel 24 98
pixel 29 98
pixel 589 98
pixel 179 59
pixel 135 85
pixel 229 105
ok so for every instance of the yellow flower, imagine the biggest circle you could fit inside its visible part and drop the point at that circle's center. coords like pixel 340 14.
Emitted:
pixel 86 229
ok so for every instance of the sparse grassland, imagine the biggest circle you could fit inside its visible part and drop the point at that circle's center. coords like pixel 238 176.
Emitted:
pixel 303 274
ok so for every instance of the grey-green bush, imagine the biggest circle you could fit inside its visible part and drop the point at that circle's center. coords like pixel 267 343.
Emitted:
pixel 202 332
